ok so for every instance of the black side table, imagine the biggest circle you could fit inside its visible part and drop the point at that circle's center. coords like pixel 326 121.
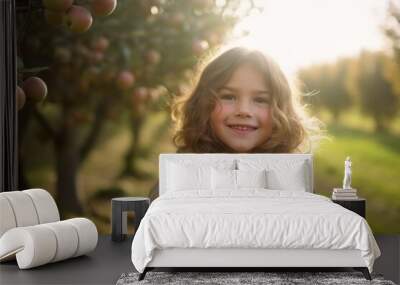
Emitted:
pixel 120 207
pixel 357 206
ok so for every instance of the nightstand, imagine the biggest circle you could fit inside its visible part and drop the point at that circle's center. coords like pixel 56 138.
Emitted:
pixel 120 207
pixel 357 206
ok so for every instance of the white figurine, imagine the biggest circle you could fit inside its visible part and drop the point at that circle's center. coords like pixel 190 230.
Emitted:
pixel 347 174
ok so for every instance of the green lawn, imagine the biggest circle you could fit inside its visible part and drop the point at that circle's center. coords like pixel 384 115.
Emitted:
pixel 376 172
pixel 376 169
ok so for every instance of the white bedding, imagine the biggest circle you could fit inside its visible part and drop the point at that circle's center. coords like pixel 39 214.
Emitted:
pixel 251 218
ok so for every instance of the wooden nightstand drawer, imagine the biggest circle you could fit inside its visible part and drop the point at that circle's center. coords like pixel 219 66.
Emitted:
pixel 357 206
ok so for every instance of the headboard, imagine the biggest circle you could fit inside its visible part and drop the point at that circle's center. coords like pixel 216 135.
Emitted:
pixel 215 158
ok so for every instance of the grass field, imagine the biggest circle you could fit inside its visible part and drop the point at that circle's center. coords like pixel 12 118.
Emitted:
pixel 376 166
pixel 376 172
pixel 375 157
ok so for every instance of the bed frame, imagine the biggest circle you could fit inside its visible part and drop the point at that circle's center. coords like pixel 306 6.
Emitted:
pixel 250 257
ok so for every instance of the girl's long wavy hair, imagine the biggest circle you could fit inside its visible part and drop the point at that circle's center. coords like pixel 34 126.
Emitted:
pixel 293 130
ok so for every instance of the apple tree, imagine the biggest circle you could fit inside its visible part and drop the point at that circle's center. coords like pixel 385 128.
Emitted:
pixel 99 69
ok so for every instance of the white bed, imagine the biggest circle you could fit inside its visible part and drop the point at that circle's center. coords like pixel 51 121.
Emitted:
pixel 203 220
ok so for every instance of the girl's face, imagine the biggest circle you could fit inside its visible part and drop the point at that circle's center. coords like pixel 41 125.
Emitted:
pixel 241 118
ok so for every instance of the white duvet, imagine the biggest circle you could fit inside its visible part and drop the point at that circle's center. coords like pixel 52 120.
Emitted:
pixel 252 218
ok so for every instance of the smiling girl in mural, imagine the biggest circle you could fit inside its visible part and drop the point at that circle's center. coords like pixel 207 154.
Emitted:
pixel 243 103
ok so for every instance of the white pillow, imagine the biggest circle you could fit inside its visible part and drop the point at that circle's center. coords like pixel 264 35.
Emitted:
pixel 292 181
pixel 228 179
pixel 223 179
pixel 181 177
pixel 251 178
pixel 281 174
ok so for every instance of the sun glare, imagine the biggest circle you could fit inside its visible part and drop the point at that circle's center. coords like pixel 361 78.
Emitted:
pixel 301 33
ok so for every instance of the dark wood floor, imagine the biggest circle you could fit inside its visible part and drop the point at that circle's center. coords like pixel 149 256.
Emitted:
pixel 103 266
pixel 110 260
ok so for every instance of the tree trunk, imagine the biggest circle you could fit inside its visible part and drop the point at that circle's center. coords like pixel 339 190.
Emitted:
pixel 336 114
pixel 379 125
pixel 131 155
pixel 67 166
